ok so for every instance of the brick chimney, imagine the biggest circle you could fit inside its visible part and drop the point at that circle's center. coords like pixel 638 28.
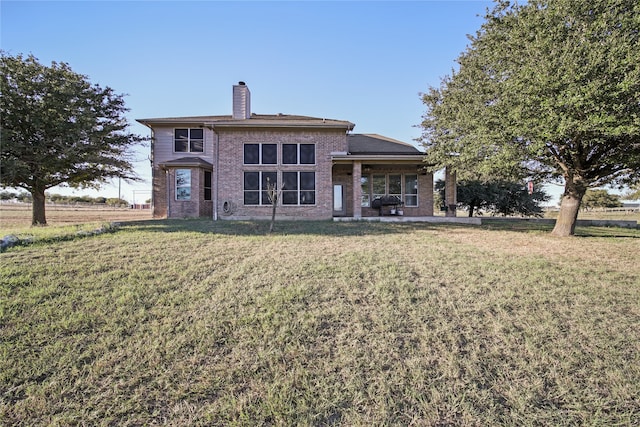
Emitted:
pixel 241 101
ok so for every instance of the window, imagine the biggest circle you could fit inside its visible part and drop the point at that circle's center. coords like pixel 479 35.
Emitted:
pixel 411 190
pixel 183 184
pixel 405 187
pixel 307 154
pixel 338 199
pixel 298 154
pixel 255 187
pixel 188 140
pixel 364 184
pixel 299 188
pixel 290 154
pixel 260 154
pixel 379 186
pixel 207 185
pixel 395 186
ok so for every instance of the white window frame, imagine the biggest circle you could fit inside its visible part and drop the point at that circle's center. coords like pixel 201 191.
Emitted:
pixel 260 153
pixel 298 146
pixel 189 140
pixel 403 185
pixel 179 185
pixel 406 193
pixel 365 200
pixel 299 190
pixel 260 189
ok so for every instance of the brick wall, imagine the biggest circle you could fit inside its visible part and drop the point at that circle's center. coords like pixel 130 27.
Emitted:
pixel 231 172
pixel 159 197
pixel 196 207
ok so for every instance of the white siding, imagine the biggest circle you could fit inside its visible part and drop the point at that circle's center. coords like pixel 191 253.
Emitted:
pixel 163 145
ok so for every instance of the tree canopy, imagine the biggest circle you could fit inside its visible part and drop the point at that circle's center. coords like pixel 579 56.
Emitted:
pixel 58 128
pixel 599 198
pixel 499 197
pixel 551 87
pixel 633 193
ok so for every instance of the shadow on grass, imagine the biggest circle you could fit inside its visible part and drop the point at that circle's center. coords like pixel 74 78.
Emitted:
pixel 581 231
pixel 355 228
pixel 281 228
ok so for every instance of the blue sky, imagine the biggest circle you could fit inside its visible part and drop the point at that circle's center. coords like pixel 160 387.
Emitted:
pixel 362 61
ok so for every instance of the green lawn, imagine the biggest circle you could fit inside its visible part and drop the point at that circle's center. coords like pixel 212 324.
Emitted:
pixel 199 323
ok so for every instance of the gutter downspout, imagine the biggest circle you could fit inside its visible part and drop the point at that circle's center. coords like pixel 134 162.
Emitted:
pixel 168 178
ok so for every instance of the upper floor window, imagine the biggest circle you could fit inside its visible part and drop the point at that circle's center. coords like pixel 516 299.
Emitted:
pixel 298 154
pixel 188 140
pixel 260 154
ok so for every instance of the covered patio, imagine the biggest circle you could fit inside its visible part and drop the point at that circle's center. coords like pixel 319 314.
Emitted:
pixel 376 169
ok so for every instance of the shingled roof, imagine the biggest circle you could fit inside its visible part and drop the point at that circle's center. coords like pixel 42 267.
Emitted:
pixel 188 162
pixel 256 120
pixel 373 144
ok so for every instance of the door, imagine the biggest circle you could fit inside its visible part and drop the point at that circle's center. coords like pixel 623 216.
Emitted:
pixel 339 208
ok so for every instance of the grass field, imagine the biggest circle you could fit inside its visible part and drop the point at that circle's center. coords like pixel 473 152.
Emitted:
pixel 193 322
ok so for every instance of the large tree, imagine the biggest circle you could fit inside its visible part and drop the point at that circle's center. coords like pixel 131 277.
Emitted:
pixel 553 86
pixel 58 128
pixel 498 197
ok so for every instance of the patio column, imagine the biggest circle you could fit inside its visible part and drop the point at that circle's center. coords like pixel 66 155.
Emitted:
pixel 357 189
pixel 450 196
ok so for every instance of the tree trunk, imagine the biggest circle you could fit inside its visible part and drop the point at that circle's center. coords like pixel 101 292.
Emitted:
pixel 37 208
pixel 274 204
pixel 569 207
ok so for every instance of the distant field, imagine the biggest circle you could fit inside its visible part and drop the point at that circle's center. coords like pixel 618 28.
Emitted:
pixel 191 322
pixel 610 214
pixel 19 216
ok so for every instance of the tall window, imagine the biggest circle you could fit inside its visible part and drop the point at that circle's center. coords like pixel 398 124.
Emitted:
pixel 207 185
pixel 299 188
pixel 379 186
pixel 188 140
pixel 298 154
pixel 364 184
pixel 255 187
pixel 411 190
pixel 260 154
pixel 183 184
pixel 395 186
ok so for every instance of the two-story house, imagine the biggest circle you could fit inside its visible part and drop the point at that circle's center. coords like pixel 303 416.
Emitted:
pixel 221 167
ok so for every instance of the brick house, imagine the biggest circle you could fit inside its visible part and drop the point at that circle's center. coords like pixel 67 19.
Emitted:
pixel 220 166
